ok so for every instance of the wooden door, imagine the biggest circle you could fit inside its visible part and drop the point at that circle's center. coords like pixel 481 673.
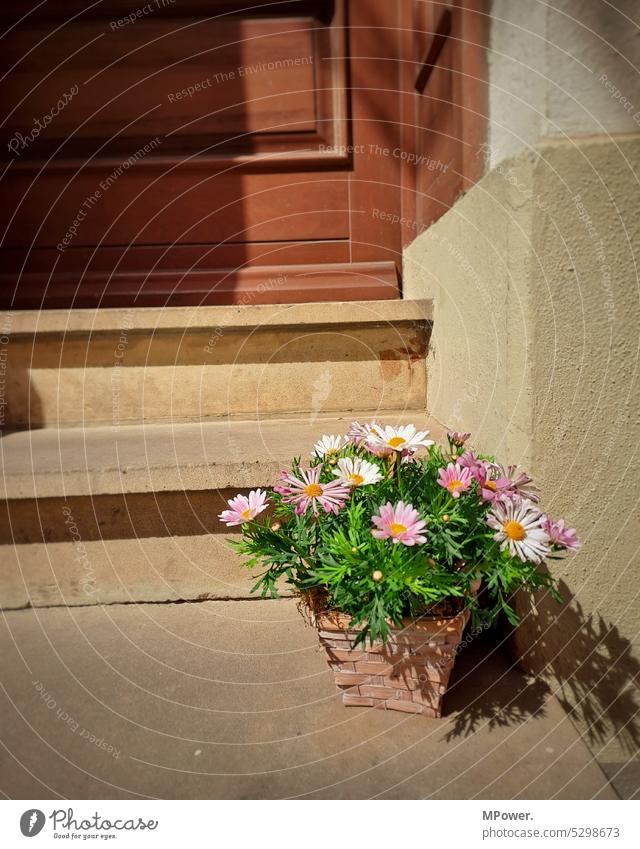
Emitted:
pixel 443 82
pixel 190 152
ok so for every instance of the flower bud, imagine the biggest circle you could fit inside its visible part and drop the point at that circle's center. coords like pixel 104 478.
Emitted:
pixel 275 526
pixel 446 517
pixel 377 576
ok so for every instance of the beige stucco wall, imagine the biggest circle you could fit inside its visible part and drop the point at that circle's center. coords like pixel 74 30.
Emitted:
pixel 535 348
pixel 561 69
pixel 476 264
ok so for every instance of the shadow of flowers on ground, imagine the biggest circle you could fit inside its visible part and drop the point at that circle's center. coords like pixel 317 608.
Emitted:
pixel 486 689
pixel 580 659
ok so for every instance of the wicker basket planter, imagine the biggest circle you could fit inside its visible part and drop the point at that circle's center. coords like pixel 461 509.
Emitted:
pixel 410 673
pixel 343 534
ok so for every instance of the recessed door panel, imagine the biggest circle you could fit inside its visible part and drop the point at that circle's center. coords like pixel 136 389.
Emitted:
pixel 231 135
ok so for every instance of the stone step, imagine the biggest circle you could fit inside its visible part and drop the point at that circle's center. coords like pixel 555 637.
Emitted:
pixel 179 364
pixel 104 515
pixel 122 571
pixel 235 700
pixel 149 458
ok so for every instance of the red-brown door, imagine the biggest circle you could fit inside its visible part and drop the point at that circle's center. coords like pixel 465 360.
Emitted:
pixel 180 152
pixel 443 79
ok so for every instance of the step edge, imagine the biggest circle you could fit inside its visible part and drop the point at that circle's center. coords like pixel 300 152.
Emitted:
pixel 240 319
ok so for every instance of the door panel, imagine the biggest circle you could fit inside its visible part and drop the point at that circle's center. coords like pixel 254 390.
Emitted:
pixel 171 208
pixel 184 151
pixel 158 66
pixel 216 87
pixel 206 131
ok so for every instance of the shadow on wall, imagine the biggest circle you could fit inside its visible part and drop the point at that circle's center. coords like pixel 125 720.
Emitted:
pixel 593 664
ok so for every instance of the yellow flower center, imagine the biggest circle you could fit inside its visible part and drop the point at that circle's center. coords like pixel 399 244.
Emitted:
pixel 514 530
pixel 491 485
pixel 395 441
pixel 313 490
pixel 356 480
pixel 397 528
pixel 453 485
pixel 246 514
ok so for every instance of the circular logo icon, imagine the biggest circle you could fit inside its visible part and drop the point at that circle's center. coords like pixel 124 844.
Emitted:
pixel 32 822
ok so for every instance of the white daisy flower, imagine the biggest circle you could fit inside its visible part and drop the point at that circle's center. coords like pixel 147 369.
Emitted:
pixel 404 438
pixel 519 526
pixel 328 445
pixel 357 472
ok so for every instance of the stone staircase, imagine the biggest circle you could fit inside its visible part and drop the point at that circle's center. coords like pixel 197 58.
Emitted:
pixel 124 433
pixel 142 424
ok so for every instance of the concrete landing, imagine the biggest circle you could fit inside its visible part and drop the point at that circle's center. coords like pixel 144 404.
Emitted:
pixel 234 700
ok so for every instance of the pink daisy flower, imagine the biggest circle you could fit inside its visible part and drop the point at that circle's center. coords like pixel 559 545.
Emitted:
pixel 457 437
pixel 519 483
pixel 560 535
pixel 283 477
pixel 494 489
pixel 455 479
pixel 408 457
pixel 244 508
pixel 478 468
pixel 378 450
pixel 401 523
pixel 358 433
pixel 501 483
pixel 309 492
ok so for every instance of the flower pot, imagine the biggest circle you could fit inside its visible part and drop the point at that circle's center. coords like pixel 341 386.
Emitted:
pixel 409 673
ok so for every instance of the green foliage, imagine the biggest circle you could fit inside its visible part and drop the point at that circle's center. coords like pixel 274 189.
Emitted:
pixel 339 555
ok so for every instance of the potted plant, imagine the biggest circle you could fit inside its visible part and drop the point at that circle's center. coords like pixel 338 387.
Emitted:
pixel 387 538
